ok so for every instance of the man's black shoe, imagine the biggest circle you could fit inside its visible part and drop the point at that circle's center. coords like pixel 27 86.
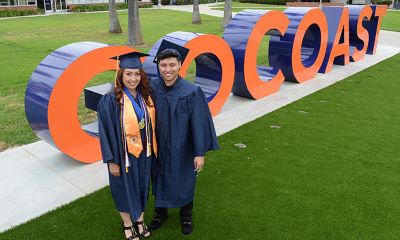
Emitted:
pixel 157 223
pixel 187 227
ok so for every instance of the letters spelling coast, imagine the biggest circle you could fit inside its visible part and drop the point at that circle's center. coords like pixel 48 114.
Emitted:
pixel 302 42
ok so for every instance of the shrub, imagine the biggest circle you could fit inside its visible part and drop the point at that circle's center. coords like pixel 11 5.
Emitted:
pixel 384 2
pixel 187 2
pixel 102 7
pixel 274 2
pixel 19 12
pixel 89 8
pixel 150 5
pixel 181 2
pixel 121 6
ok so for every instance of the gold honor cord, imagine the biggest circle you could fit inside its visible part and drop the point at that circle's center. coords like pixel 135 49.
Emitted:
pixel 148 152
pixel 116 72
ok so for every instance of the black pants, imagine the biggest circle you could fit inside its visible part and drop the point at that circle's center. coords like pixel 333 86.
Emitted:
pixel 185 212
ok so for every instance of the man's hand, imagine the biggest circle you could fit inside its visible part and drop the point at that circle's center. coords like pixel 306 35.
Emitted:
pixel 198 163
pixel 114 169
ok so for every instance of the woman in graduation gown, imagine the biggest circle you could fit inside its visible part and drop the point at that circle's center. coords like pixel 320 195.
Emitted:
pixel 126 118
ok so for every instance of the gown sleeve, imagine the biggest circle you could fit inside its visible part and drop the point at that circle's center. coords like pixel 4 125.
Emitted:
pixel 107 132
pixel 204 136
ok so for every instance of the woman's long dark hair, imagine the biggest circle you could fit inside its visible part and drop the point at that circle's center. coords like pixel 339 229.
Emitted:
pixel 143 87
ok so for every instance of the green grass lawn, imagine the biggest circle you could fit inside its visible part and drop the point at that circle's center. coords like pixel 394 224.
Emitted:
pixel 331 171
pixel 391 21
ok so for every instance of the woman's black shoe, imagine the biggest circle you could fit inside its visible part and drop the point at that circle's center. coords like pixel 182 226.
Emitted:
pixel 145 233
pixel 157 222
pixel 134 236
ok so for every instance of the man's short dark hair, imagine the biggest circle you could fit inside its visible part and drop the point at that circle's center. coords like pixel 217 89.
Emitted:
pixel 168 53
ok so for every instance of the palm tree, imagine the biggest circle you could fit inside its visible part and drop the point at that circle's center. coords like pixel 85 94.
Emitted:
pixel 227 13
pixel 196 19
pixel 115 27
pixel 135 36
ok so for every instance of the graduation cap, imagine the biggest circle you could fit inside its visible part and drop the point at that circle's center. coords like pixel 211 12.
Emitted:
pixel 167 48
pixel 130 60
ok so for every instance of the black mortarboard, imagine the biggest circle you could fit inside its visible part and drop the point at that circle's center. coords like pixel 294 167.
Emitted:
pixel 167 46
pixel 130 60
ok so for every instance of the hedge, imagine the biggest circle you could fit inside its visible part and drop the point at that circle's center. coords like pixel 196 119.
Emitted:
pixel 273 2
pixel 184 2
pixel 102 7
pixel 384 2
pixel 19 12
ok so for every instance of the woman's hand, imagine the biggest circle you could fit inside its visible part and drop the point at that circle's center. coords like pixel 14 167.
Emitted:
pixel 114 169
pixel 198 163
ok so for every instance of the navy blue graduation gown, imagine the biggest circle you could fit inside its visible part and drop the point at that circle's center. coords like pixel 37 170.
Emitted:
pixel 184 129
pixel 130 191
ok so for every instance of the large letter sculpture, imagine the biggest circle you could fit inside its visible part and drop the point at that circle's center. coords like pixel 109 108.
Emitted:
pixel 244 34
pixel 358 33
pixel 303 41
pixel 52 95
pixel 300 52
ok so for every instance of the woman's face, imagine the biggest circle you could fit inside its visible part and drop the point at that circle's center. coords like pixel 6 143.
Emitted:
pixel 131 78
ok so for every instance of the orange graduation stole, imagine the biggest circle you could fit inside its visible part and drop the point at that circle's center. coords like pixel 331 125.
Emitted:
pixel 131 133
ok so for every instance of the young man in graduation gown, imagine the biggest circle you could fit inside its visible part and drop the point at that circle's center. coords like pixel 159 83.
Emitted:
pixel 185 132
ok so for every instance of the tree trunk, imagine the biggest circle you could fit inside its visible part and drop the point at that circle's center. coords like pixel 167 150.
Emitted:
pixel 115 27
pixel 171 2
pixel 196 19
pixel 135 36
pixel 227 13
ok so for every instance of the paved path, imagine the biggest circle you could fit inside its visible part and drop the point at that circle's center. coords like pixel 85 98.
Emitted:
pixel 37 178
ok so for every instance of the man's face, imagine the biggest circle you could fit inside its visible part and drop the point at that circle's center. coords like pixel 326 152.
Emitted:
pixel 169 69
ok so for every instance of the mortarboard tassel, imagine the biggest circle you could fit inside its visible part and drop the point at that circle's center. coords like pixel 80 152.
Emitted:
pixel 116 72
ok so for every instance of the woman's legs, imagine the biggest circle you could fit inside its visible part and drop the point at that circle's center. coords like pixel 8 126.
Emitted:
pixel 126 218
pixel 141 217
pixel 141 225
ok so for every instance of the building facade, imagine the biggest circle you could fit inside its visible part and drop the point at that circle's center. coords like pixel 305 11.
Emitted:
pixel 19 3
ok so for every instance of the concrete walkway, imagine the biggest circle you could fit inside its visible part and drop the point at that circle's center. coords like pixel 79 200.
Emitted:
pixel 37 178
